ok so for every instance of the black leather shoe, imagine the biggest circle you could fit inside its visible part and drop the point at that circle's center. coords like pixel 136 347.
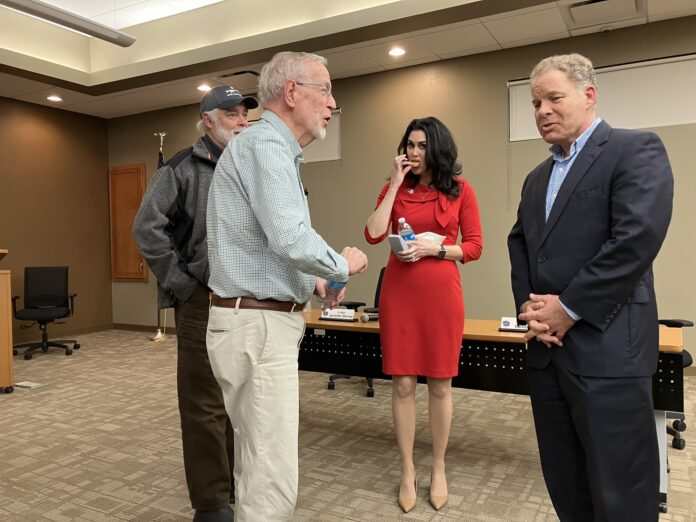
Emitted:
pixel 222 515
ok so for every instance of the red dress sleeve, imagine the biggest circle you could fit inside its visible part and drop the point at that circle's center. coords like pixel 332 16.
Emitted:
pixel 368 237
pixel 469 224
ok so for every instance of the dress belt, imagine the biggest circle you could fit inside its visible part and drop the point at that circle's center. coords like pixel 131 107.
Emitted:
pixel 256 304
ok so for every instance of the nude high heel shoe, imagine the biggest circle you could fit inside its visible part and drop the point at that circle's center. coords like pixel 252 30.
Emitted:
pixel 437 501
pixel 408 503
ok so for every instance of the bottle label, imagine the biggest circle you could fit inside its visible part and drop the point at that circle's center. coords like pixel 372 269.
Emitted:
pixel 408 235
pixel 337 285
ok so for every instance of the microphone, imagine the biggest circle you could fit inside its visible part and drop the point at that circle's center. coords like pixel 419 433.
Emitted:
pixel 364 318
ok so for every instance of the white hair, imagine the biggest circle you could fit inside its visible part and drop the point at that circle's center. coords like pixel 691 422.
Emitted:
pixel 284 66
pixel 213 114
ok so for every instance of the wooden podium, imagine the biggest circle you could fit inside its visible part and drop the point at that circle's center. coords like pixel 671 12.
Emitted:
pixel 5 330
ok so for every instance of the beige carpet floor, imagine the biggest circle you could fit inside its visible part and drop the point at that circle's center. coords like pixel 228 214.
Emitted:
pixel 100 441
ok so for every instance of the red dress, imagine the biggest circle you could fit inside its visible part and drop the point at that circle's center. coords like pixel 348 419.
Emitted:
pixel 421 308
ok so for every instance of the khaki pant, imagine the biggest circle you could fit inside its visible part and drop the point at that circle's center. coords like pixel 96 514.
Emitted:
pixel 253 354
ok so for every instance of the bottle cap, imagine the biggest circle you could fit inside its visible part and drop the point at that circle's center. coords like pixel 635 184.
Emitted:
pixel 402 220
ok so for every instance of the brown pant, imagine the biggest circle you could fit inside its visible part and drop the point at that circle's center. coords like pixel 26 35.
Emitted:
pixel 206 431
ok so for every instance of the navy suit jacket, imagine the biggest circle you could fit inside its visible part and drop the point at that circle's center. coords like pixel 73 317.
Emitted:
pixel 596 250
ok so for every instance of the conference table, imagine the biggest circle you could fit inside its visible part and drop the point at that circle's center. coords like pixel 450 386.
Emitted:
pixel 490 361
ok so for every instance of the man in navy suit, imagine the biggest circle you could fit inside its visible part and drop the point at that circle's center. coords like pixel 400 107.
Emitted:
pixel 590 223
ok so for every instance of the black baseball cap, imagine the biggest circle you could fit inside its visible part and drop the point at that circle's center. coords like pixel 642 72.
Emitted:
pixel 226 97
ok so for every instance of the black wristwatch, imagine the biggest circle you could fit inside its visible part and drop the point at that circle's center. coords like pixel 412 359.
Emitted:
pixel 442 252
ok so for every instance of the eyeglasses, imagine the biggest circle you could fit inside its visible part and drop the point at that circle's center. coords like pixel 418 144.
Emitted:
pixel 325 87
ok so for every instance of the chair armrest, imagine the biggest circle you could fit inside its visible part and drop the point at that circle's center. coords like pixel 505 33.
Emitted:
pixel 72 303
pixel 675 323
pixel 14 304
pixel 353 305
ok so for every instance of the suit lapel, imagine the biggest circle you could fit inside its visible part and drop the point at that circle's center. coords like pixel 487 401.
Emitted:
pixel 540 190
pixel 589 153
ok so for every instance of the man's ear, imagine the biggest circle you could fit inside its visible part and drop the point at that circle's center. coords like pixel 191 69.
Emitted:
pixel 289 93
pixel 591 94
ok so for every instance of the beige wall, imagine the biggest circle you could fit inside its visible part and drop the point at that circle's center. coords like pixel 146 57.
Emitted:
pixel 469 94
pixel 54 206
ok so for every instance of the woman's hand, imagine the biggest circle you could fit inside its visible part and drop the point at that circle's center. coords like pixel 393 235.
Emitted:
pixel 399 170
pixel 417 250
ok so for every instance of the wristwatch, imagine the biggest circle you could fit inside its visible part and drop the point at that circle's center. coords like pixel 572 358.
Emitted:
pixel 442 252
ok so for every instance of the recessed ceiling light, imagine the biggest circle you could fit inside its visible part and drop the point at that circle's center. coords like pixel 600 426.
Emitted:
pixel 396 51
pixel 204 87
pixel 54 98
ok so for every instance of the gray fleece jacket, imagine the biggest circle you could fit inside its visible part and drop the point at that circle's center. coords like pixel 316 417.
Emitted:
pixel 170 225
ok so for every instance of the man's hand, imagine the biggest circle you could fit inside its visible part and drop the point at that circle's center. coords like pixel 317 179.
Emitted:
pixel 357 260
pixel 320 288
pixel 547 319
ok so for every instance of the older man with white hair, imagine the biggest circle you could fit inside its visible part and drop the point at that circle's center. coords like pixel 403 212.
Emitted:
pixel 266 260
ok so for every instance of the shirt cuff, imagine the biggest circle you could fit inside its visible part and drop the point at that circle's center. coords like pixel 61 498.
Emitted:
pixel 573 315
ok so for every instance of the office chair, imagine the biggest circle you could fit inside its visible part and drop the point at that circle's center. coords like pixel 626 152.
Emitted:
pixel 679 424
pixel 46 299
pixel 354 305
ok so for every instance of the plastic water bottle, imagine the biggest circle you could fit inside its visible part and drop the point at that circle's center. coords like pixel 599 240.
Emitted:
pixel 333 288
pixel 405 230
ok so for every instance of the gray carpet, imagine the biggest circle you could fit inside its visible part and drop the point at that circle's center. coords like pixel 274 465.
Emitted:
pixel 100 441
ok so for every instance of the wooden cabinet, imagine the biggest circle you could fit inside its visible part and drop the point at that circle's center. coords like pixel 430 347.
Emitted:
pixel 5 332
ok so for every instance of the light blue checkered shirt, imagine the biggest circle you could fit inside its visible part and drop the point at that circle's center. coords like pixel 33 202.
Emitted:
pixel 260 239
pixel 561 167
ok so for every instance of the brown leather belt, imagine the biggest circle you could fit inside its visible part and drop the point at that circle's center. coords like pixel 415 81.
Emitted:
pixel 256 304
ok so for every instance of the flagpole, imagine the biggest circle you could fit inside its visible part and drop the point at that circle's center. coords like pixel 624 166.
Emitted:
pixel 159 336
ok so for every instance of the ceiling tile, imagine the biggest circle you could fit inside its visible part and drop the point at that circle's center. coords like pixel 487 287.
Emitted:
pixel 344 63
pixel 409 63
pixel 537 26
pixel 663 9
pixel 146 11
pixel 464 39
pixel 415 50
pixel 84 8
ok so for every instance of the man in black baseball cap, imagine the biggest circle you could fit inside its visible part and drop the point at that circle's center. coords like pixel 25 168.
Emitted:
pixel 170 231
pixel 226 97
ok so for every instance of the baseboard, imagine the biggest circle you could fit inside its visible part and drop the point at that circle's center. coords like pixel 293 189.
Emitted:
pixel 141 328
pixel 690 371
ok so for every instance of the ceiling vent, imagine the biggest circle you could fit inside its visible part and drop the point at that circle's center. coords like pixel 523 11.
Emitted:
pixel 601 12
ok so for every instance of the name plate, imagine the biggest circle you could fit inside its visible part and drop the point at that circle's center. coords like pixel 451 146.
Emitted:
pixel 338 314
pixel 509 324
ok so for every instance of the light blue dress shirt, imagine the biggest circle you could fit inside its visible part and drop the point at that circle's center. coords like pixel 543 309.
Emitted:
pixel 561 167
pixel 260 238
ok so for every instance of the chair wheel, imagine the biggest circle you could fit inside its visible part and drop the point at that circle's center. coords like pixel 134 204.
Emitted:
pixel 679 444
pixel 44 349
pixel 68 352
pixel 331 385
pixel 370 392
pixel 27 356
pixel 77 346
pixel 679 425
pixel 9 389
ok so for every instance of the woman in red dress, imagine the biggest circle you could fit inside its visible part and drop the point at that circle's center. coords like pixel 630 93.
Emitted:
pixel 421 309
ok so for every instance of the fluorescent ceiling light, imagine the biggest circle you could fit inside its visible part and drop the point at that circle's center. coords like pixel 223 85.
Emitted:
pixel 204 88
pixel 54 98
pixel 69 20
pixel 396 51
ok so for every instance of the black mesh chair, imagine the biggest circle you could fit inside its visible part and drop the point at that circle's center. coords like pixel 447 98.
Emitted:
pixel 678 417
pixel 46 299
pixel 371 313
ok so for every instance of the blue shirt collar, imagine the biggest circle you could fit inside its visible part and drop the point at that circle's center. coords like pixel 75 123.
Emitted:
pixel 577 145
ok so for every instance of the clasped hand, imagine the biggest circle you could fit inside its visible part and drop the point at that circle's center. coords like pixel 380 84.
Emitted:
pixel 417 250
pixel 546 319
